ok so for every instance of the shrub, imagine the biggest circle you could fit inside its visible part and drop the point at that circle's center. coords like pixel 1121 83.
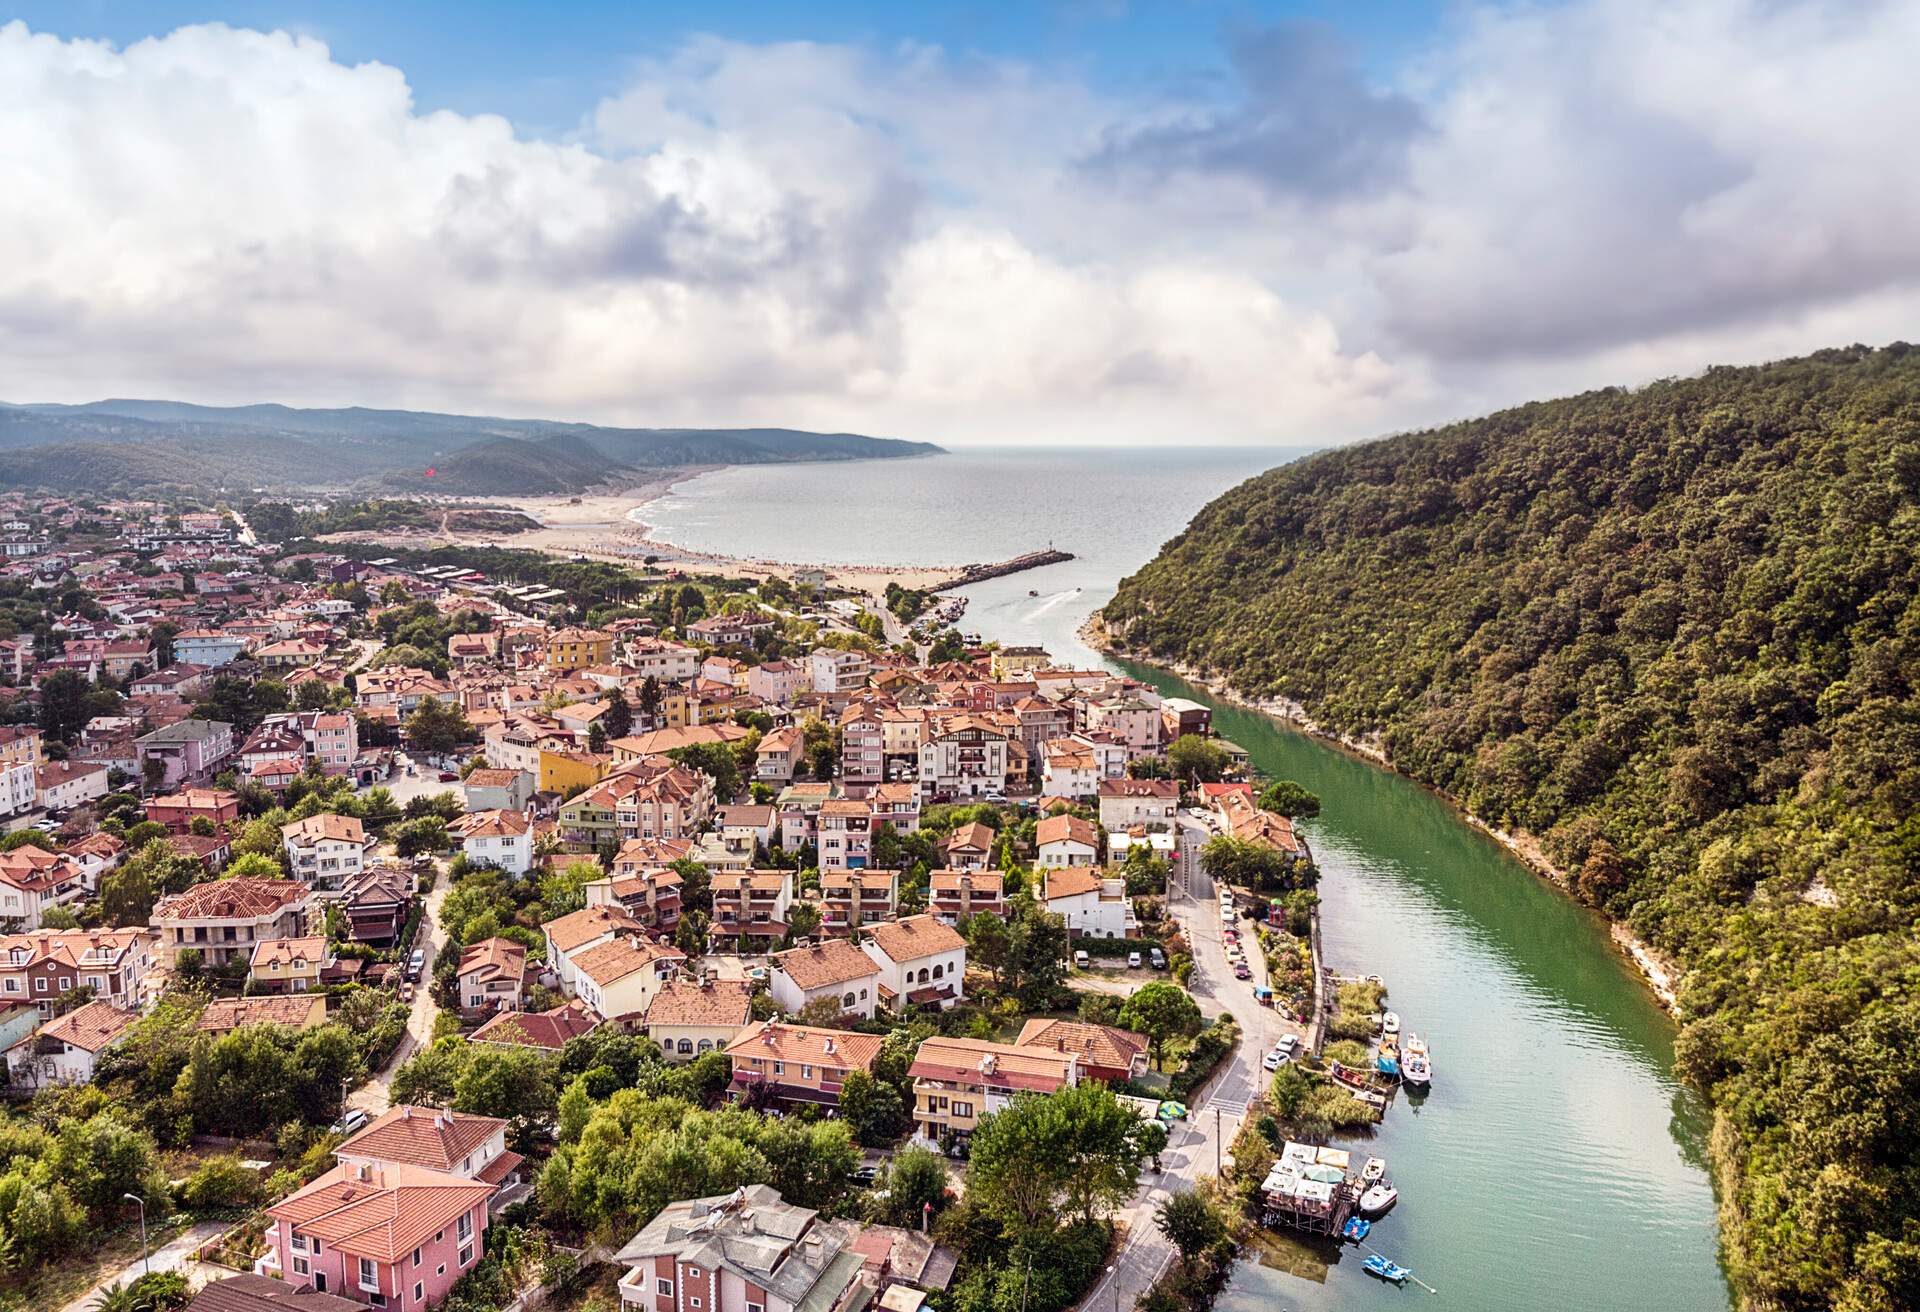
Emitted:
pixel 221 1182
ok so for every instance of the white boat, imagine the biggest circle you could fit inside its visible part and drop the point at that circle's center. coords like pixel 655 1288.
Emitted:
pixel 1374 1171
pixel 1390 1023
pixel 1416 1068
pixel 1378 1199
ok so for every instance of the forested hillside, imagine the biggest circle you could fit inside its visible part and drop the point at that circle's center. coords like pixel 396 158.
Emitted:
pixel 1672 633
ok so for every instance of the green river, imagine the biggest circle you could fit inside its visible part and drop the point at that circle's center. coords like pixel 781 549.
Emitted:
pixel 1556 1163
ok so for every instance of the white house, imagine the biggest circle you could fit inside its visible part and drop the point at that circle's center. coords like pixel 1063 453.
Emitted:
pixel 1128 802
pixel 922 962
pixel 496 838
pixel 579 931
pixel 65 1051
pixel 838 671
pixel 324 849
pixel 619 978
pixel 834 969
pixel 1066 840
pixel 61 785
pixel 1091 906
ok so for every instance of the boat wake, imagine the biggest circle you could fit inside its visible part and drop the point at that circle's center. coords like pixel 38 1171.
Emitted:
pixel 1049 604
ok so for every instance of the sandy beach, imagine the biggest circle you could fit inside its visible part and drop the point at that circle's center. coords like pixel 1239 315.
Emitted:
pixel 598 525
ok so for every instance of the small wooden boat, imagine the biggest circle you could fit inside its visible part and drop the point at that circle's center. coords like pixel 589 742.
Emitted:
pixel 1415 1067
pixel 1374 1171
pixel 1393 1272
pixel 1356 1228
pixel 1378 1199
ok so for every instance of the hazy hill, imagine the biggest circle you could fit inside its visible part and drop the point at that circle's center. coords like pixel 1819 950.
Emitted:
pixel 1673 633
pixel 104 445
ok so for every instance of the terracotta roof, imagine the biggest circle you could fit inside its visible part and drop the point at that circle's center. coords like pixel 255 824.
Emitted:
pixel 616 960
pixel 493 778
pixel 973 836
pixel 491 824
pixel 390 1213
pixel 1071 882
pixel 1096 1045
pixel 1066 828
pixel 541 1029
pixel 688 1002
pixel 824 964
pixel 978 881
pixel 915 937
pixel 422 1136
pixel 287 953
pixel 248 1292
pixel 231 899
pixel 1006 1065
pixel 92 1027
pixel 586 925
pixel 298 1010
pixel 494 958
pixel 327 826
pixel 808 1045
pixel 1163 789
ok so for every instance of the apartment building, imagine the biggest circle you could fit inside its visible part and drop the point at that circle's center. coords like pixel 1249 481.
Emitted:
pixel 325 850
pixel 850 899
pixel 922 962
pixel 802 1063
pixel 751 905
pixel 958 1081
pixel 953 896
pixel 844 833
pixel 225 917
pixel 835 971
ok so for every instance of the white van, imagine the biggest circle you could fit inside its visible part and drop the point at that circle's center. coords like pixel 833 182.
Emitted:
pixel 1080 958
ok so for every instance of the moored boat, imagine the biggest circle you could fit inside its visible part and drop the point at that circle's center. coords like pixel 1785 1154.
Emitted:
pixel 1374 1171
pixel 1377 1265
pixel 1378 1199
pixel 1356 1228
pixel 1416 1068
pixel 1390 1023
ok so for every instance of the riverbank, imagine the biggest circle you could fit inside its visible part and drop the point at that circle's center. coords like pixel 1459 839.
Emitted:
pixel 1660 975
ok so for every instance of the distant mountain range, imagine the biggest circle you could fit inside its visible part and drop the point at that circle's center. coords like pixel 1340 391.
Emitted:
pixel 129 445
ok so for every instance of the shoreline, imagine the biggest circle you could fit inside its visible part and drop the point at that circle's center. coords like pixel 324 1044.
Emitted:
pixel 600 525
pixel 1658 974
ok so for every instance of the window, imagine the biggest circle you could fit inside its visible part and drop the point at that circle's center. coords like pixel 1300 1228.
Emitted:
pixel 963 1109
pixel 300 1266
pixel 419 1291
pixel 299 1242
pixel 666 1288
pixel 694 1301
pixel 848 1000
pixel 806 1072
pixel 416 1261
pixel 779 1068
pixel 369 1275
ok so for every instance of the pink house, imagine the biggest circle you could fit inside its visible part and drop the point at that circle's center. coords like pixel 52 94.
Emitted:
pixel 386 1235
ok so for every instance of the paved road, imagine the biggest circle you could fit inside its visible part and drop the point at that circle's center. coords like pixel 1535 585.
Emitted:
pixel 1199 1145
pixel 373 1096
pixel 170 1256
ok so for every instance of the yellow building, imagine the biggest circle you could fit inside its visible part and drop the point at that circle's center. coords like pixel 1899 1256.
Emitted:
pixel 562 772
pixel 576 649
pixel 289 965
pixel 673 708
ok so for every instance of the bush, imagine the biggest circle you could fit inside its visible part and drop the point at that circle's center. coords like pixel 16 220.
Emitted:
pixel 221 1182
pixel 1210 1048
pixel 1347 1052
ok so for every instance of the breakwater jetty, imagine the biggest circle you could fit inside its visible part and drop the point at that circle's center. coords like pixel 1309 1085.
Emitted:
pixel 969 574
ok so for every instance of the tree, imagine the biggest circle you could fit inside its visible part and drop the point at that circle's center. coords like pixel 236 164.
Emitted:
pixel 1074 1151
pixel 916 1185
pixel 1190 1225
pixel 515 1084
pixel 437 727
pixel 1285 797
pixel 418 837
pixel 873 1109
pixel 65 705
pixel 1193 759
pixel 1037 951
pixel 1161 1012
pixel 126 895
pixel 989 944
pixel 618 719
pixel 650 700
pixel 803 919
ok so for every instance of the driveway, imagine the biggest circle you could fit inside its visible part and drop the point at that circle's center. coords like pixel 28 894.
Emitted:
pixel 373 1096
pixel 170 1256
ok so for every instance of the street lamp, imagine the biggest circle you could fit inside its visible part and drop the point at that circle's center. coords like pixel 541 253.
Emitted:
pixel 146 1263
pixel 1116 1285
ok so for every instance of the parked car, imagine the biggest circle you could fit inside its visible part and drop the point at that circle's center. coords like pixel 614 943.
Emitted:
pixel 1081 959
pixel 1158 958
pixel 416 963
pixel 406 991
pixel 350 1123
pixel 1288 1043
pixel 449 777
pixel 1240 971
pixel 1273 1061
pixel 865 1174
pixel 1133 961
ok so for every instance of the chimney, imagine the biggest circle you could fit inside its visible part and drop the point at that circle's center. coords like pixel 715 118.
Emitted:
pixel 828 1047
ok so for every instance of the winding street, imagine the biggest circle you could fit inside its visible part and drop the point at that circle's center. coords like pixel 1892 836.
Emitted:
pixel 1198 1146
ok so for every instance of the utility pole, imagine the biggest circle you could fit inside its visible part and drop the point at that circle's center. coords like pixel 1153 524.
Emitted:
pixel 146 1262
pixel 1216 1139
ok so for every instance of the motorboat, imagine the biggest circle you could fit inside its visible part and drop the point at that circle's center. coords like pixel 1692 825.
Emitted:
pixel 1374 1171
pixel 1416 1068
pixel 1391 1272
pixel 1390 1023
pixel 1378 1198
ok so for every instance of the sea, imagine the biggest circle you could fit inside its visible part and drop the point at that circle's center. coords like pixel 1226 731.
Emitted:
pixel 1112 507
pixel 1556 1162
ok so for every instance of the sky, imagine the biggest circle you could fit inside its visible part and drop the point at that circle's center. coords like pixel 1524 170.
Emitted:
pixel 1081 221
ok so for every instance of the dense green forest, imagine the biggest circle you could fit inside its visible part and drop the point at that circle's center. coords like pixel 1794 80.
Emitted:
pixel 1670 632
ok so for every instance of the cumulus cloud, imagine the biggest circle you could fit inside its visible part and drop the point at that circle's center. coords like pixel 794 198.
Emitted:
pixel 915 242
